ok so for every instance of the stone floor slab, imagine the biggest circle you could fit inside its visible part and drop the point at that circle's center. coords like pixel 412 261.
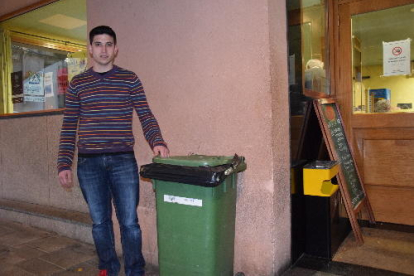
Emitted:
pixel 39 267
pixel 79 270
pixel 22 236
pixel 51 244
pixel 26 252
pixel 7 269
pixel 70 256
pixel 4 230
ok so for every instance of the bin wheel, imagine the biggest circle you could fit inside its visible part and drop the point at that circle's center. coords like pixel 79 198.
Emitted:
pixel 239 274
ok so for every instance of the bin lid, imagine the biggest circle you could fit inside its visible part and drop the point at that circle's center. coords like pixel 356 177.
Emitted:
pixel 320 164
pixel 194 160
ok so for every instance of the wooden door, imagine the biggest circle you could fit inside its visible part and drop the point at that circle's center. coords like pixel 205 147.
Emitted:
pixel 382 142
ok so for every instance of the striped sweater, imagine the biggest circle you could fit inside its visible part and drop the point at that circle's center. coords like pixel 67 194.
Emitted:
pixel 99 108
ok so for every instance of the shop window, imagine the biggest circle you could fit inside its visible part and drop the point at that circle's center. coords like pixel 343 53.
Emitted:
pixel 41 51
pixel 308 52
pixel 309 73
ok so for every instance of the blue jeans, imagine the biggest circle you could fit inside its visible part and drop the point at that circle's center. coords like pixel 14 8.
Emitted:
pixel 107 177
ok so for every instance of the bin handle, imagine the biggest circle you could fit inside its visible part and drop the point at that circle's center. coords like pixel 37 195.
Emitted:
pixel 235 162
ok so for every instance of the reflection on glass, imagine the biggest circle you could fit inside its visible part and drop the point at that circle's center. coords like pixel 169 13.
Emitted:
pixel 382 76
pixel 41 50
pixel 314 47
pixel 308 52
pixel 40 77
pixel 308 60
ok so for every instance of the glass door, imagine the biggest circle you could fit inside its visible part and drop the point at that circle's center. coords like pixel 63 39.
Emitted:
pixel 374 87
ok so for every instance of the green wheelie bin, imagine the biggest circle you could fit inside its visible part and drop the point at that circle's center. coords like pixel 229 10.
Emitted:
pixel 196 221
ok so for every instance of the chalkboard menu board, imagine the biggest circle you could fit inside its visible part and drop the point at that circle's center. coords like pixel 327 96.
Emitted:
pixel 340 149
pixel 323 121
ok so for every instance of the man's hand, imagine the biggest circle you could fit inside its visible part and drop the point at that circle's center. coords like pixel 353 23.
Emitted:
pixel 162 151
pixel 65 179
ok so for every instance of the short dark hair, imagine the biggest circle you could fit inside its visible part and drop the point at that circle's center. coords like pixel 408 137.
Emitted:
pixel 101 30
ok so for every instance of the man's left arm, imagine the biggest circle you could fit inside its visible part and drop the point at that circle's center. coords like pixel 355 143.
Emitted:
pixel 149 124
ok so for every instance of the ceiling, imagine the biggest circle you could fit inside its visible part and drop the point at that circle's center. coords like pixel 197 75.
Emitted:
pixel 64 19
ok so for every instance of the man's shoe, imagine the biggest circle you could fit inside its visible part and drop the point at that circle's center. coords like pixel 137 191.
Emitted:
pixel 103 272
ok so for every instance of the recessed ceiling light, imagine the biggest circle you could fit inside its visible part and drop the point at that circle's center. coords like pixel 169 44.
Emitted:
pixel 63 21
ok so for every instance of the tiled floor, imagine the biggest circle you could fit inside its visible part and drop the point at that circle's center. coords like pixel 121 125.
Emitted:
pixel 384 249
pixel 28 251
pixel 309 265
pixel 388 250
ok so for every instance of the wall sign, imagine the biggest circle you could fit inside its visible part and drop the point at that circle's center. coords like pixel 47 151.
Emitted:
pixel 33 85
pixel 396 57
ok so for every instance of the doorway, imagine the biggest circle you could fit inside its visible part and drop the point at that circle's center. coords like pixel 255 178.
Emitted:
pixel 378 116
pixel 375 88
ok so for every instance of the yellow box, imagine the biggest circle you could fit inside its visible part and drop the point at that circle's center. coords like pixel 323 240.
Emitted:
pixel 317 178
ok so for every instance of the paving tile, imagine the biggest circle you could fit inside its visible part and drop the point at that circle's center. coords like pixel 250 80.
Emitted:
pixel 26 252
pixel 4 249
pixel 23 236
pixel 4 230
pixel 93 262
pixel 70 256
pixel 7 256
pixel 39 267
pixel 7 269
pixel 16 226
pixel 14 255
pixel 80 270
pixel 16 238
pixel 50 244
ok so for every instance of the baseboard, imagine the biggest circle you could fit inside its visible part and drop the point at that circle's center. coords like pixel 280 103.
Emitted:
pixel 69 223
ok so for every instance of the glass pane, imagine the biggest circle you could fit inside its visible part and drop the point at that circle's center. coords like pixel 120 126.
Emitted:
pixel 308 60
pixel 314 53
pixel 39 78
pixel 44 49
pixel 308 52
pixel 382 54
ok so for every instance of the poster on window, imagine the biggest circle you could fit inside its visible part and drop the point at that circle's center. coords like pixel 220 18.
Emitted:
pixel 396 57
pixel 75 66
pixel 62 76
pixel 17 87
pixel 35 99
pixel 48 84
pixel 33 88
pixel 33 85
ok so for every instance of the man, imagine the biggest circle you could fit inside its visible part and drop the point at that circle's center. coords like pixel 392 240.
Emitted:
pixel 99 106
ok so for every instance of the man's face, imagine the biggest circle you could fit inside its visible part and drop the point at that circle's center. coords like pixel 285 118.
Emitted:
pixel 103 50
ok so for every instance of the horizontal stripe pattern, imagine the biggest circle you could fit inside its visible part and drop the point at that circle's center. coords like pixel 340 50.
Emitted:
pixel 99 111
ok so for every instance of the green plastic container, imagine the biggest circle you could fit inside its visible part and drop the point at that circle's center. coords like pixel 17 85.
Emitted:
pixel 196 223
